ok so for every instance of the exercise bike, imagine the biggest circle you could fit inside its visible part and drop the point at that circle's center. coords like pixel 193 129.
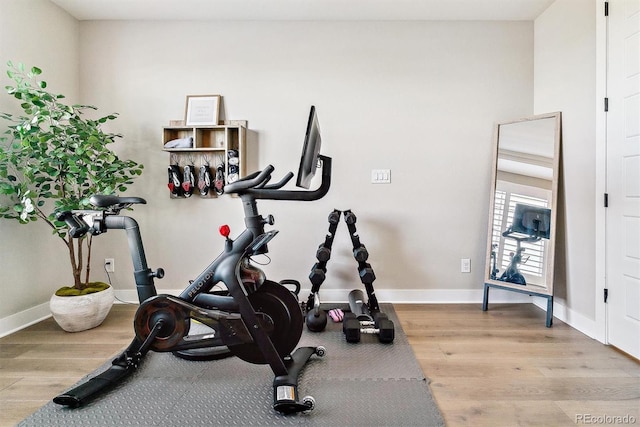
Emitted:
pixel 258 320
pixel 530 224
pixel 512 273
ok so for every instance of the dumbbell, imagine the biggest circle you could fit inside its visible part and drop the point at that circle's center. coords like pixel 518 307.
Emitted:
pixel 350 217
pixel 382 326
pixel 361 254
pixel 317 274
pixel 386 328
pixel 367 275
pixel 334 217
pixel 323 253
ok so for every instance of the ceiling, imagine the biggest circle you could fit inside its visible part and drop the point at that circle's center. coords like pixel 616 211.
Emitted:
pixel 396 10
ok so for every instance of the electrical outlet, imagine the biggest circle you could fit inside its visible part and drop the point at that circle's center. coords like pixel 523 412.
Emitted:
pixel 465 265
pixel 109 265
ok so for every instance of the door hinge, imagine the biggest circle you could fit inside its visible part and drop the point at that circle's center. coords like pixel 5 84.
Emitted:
pixel 606 8
pixel 606 294
pixel 606 105
pixel 606 200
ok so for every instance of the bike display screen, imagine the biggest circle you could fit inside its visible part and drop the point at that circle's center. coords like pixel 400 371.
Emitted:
pixel 533 221
pixel 310 151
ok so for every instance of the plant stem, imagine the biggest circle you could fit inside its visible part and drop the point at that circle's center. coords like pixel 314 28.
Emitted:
pixel 74 263
pixel 79 284
pixel 88 270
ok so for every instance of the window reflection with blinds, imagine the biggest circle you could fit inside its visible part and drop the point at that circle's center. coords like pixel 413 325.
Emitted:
pixel 534 253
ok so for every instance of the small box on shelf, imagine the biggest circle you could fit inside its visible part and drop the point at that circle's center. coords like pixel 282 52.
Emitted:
pixel 211 138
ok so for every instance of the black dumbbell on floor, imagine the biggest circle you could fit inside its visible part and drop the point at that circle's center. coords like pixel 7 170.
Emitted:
pixel 359 321
pixel 381 326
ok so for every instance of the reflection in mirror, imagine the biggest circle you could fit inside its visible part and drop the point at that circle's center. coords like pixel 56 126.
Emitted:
pixel 523 204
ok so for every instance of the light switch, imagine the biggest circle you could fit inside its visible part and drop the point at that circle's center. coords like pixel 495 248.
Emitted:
pixel 381 176
pixel 465 265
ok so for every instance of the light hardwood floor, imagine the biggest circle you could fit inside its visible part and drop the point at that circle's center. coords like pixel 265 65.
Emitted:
pixel 502 367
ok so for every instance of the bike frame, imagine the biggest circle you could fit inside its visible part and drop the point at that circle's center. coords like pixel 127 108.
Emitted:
pixel 227 268
pixel 512 272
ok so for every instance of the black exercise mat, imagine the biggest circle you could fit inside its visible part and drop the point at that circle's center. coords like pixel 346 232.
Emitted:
pixel 367 384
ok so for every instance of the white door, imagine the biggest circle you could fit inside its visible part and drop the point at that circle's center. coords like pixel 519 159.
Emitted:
pixel 623 177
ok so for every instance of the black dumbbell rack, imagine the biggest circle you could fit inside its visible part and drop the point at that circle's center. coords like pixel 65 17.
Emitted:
pixel 365 317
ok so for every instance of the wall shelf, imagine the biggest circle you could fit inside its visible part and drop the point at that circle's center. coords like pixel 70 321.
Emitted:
pixel 213 146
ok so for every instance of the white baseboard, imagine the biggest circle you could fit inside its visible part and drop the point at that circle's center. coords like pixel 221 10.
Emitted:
pixel 396 296
pixel 33 315
pixel 575 320
pixel 23 319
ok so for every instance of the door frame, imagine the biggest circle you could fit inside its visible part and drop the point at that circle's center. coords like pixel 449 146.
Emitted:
pixel 602 29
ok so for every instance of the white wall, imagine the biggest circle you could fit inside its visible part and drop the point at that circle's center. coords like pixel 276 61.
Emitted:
pixel 565 80
pixel 32 261
pixel 420 98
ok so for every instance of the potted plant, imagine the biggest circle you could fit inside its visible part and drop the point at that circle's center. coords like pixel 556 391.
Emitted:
pixel 54 157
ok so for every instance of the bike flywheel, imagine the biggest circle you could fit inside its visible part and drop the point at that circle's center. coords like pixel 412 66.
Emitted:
pixel 279 306
pixel 175 322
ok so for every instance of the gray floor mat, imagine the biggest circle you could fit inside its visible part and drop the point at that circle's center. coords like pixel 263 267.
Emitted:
pixel 368 383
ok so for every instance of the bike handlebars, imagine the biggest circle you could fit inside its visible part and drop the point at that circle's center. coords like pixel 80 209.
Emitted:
pixel 278 184
pixel 250 181
pixel 81 222
pixel 509 233
pixel 254 185
pixel 77 227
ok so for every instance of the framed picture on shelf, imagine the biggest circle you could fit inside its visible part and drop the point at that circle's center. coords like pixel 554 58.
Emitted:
pixel 202 110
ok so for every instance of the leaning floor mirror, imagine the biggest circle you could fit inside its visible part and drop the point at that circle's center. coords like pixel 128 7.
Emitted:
pixel 522 208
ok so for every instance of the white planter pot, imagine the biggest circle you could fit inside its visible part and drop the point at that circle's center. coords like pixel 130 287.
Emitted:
pixel 79 313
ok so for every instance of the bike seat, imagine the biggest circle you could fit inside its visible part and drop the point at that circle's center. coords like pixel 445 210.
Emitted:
pixel 104 201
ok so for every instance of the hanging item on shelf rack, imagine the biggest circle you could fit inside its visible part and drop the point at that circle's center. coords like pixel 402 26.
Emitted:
pixel 189 180
pixel 219 182
pixel 175 182
pixel 234 168
pixel 204 177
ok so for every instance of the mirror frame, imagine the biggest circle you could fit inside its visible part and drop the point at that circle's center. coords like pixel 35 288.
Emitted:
pixel 550 261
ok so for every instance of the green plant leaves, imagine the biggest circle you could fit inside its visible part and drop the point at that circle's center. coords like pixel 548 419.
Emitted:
pixel 53 155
